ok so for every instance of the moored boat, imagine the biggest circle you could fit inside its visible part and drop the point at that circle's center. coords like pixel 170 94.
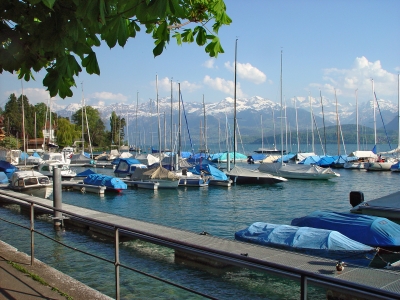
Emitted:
pixel 47 168
pixel 369 230
pixel 31 183
pixel 111 183
pixel 247 176
pixel 311 241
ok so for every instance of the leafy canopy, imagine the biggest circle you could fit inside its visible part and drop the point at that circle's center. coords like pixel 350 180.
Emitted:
pixel 53 34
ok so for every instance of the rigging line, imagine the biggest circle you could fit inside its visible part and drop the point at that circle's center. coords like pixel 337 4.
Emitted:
pixel 380 113
pixel 187 125
pixel 319 136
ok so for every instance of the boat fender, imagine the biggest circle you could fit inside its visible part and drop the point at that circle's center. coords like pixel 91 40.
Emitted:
pixel 356 198
pixel 83 190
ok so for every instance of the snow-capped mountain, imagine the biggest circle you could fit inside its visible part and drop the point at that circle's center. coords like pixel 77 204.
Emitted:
pixel 250 112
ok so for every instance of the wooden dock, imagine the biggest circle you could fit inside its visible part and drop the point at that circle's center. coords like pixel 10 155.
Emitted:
pixel 210 249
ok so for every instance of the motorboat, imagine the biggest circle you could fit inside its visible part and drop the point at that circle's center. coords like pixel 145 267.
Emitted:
pixel 307 240
pixel 362 158
pixel 215 176
pixel 387 206
pixel 126 167
pixel 47 168
pixel 111 183
pixel 32 183
pixel 298 171
pixel 369 230
pixel 248 176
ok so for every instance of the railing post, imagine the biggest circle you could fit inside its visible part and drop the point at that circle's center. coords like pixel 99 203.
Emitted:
pixel 57 197
pixel 117 291
pixel 32 234
pixel 303 287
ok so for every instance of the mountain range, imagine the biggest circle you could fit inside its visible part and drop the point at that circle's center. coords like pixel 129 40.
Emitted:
pixel 254 116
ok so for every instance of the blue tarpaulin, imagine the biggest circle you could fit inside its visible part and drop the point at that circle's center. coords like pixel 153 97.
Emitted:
pixel 369 230
pixel 209 170
pixel 104 180
pixel 312 241
pixel 3 177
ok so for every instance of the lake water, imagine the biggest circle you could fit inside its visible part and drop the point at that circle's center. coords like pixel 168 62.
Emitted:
pixel 220 211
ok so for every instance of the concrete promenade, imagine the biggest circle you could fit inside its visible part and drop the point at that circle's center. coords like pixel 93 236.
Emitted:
pixel 15 284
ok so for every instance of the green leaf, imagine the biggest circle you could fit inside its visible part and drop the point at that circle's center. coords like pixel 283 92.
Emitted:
pixel 90 63
pixel 201 37
pixel 187 36
pixel 123 31
pixel 159 48
pixel 49 3
pixel 102 10
pixel 214 47
pixel 178 38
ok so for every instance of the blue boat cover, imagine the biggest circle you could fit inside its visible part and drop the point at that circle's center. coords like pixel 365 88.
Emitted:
pixel 286 157
pixel 124 165
pixel 85 173
pixel 312 241
pixel 3 177
pixel 104 180
pixel 6 167
pixel 209 170
pixel 369 230
pixel 311 160
pixel 325 161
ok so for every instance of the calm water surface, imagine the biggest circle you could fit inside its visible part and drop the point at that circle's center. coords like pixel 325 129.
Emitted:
pixel 217 210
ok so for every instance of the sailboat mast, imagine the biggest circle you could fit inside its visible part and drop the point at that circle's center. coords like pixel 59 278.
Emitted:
pixel 158 120
pixel 136 128
pixel 179 121
pixel 171 147
pixel 281 114
pixel 312 126
pixel 23 115
pixel 323 120
pixel 83 104
pixel 373 102
pixel 205 127
pixel 358 138
pixel 297 126
pixel 262 135
pixel 337 125
pixel 398 109
pixel 234 110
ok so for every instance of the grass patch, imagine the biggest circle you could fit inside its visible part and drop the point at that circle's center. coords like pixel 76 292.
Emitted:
pixel 38 279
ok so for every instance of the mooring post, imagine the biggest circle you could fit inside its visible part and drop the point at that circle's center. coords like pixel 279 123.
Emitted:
pixel 228 162
pixel 57 197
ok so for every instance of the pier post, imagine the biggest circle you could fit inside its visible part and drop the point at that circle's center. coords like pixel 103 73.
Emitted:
pixel 57 197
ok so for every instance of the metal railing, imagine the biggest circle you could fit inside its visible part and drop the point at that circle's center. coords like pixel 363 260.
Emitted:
pixel 304 277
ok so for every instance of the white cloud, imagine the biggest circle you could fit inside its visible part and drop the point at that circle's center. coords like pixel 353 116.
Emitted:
pixel 225 86
pixel 247 71
pixel 164 85
pixel 209 64
pixel 104 97
pixel 34 95
pixel 359 76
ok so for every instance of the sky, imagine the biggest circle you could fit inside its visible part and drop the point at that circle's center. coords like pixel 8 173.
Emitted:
pixel 326 47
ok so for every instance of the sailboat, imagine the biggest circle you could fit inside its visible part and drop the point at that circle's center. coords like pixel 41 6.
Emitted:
pixel 396 167
pixel 293 170
pixel 380 164
pixel 241 175
pixel 166 179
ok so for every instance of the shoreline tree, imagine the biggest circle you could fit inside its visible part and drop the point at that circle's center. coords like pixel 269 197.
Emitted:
pixel 53 34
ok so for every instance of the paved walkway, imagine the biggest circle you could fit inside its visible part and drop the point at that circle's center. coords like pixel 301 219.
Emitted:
pixel 15 284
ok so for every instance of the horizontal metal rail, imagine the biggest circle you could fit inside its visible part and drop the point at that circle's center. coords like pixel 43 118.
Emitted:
pixel 303 276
